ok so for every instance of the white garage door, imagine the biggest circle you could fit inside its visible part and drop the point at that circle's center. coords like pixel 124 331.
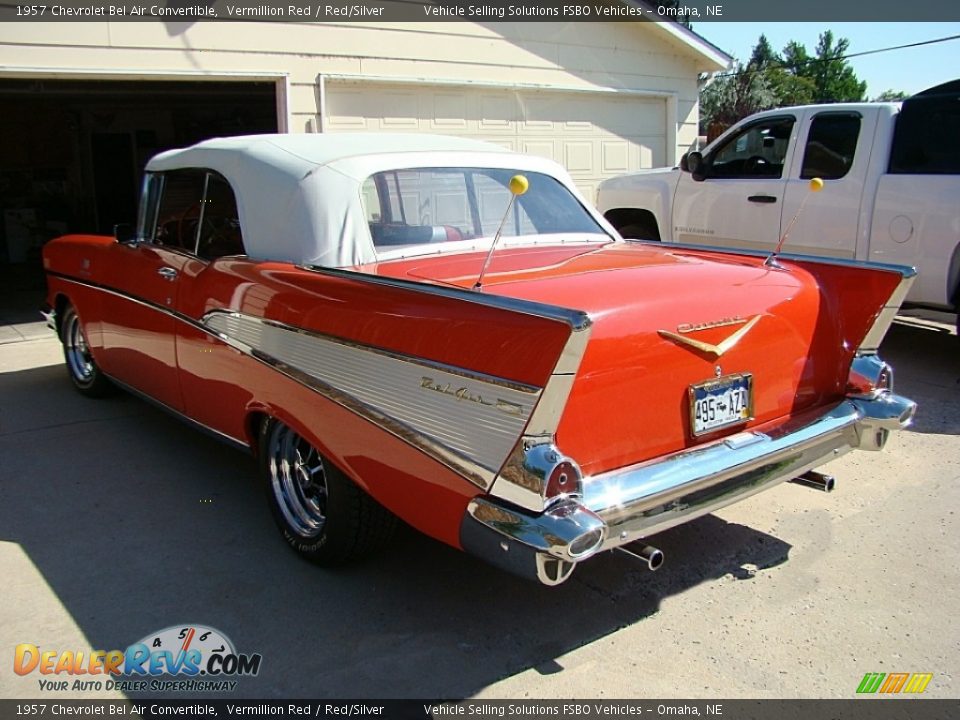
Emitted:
pixel 593 135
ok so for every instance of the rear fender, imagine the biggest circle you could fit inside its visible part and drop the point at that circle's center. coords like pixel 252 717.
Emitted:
pixel 472 380
pixel 862 299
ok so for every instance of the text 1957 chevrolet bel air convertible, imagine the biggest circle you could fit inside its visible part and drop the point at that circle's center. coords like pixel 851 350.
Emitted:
pixel 441 330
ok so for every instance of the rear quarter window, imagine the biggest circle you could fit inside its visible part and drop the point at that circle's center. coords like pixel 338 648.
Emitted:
pixel 926 139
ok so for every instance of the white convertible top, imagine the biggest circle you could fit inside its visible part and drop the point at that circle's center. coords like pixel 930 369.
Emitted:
pixel 299 196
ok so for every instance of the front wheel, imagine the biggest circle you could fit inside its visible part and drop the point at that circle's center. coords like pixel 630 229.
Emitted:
pixel 81 367
pixel 322 514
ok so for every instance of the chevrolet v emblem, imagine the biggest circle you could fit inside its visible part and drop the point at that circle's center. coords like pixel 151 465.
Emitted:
pixel 715 350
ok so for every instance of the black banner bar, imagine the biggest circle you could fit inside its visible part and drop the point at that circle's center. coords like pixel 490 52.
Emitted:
pixel 872 708
pixel 338 11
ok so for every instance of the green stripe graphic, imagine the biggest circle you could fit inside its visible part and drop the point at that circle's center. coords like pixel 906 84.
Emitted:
pixel 871 682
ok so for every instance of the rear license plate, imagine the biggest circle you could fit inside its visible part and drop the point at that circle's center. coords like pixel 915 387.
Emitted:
pixel 715 404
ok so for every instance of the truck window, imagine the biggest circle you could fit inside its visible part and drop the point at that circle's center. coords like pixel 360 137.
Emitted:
pixel 831 145
pixel 757 151
pixel 925 137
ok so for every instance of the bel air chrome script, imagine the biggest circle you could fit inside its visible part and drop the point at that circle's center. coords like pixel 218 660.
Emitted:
pixel 463 393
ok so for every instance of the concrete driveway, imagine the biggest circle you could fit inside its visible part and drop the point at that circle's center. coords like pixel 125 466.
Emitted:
pixel 117 521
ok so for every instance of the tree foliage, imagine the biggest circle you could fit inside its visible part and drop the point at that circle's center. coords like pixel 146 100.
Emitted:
pixel 791 77
pixel 891 96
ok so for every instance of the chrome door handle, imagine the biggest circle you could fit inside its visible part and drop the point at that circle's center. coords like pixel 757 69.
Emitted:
pixel 167 273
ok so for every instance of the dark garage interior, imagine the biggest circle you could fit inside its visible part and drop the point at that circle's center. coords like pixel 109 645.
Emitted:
pixel 72 153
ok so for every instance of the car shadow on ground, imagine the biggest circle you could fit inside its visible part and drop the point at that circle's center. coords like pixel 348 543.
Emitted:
pixel 926 362
pixel 138 522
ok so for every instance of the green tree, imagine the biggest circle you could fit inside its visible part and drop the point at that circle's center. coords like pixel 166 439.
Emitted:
pixel 833 78
pixel 763 56
pixel 891 96
pixel 769 80
pixel 731 97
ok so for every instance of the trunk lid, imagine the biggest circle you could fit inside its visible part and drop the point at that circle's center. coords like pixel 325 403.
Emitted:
pixel 663 321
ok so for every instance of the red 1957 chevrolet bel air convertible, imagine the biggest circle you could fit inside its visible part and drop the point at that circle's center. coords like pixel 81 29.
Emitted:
pixel 443 331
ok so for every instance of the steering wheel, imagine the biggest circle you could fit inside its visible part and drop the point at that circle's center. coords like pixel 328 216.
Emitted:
pixel 192 213
pixel 755 163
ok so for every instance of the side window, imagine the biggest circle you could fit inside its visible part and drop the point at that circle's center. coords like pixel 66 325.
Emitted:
pixel 179 209
pixel 219 223
pixel 149 201
pixel 197 213
pixel 831 145
pixel 925 140
pixel 757 151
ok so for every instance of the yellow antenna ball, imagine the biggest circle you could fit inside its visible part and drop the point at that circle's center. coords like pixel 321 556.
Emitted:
pixel 816 185
pixel 519 184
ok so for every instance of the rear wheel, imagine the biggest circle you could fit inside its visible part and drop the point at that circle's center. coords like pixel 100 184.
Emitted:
pixel 322 514
pixel 81 367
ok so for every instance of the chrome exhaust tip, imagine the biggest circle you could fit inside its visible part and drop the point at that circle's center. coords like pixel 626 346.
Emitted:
pixel 816 480
pixel 650 556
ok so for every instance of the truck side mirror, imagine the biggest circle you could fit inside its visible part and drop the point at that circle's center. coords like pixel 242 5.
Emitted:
pixel 683 163
pixel 124 232
pixel 696 165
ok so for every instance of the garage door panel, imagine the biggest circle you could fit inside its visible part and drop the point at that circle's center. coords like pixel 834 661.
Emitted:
pixel 614 156
pixel 356 109
pixel 595 135
pixel 400 111
pixel 498 113
pixel 450 111
pixel 578 156
pixel 541 148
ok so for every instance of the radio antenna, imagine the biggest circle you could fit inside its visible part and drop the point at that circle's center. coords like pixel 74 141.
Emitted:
pixel 816 185
pixel 518 186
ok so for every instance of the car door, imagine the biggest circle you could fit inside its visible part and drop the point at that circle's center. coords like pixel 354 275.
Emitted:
pixel 836 148
pixel 139 330
pixel 214 376
pixel 739 200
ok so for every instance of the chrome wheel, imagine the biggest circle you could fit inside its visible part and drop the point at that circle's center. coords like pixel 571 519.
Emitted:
pixel 298 481
pixel 81 366
pixel 79 359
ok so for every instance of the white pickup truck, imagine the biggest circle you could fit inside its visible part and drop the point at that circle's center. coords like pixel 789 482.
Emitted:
pixel 891 175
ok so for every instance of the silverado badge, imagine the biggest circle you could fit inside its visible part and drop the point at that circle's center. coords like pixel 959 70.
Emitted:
pixel 715 350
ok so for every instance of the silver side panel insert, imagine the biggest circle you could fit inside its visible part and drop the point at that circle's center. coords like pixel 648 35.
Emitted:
pixel 468 421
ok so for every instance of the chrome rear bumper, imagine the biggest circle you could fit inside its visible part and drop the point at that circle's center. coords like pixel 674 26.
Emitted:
pixel 630 503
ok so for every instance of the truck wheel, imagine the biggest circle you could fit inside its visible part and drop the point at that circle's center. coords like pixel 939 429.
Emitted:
pixel 322 514
pixel 81 367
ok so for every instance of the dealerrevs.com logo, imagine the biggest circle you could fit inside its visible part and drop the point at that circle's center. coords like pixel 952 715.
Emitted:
pixel 180 658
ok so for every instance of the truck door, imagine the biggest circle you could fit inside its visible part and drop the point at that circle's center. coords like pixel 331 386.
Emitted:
pixel 836 148
pixel 740 199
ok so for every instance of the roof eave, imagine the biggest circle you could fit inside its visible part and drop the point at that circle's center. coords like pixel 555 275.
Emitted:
pixel 712 58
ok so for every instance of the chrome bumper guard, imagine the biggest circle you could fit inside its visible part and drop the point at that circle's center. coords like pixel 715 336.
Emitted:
pixel 631 503
pixel 50 316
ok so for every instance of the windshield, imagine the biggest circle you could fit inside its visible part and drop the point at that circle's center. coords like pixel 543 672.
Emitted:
pixel 422 206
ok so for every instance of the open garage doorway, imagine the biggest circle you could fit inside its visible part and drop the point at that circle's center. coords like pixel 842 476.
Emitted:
pixel 72 153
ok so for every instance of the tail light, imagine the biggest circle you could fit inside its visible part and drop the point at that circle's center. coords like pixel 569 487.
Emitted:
pixel 869 375
pixel 562 476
